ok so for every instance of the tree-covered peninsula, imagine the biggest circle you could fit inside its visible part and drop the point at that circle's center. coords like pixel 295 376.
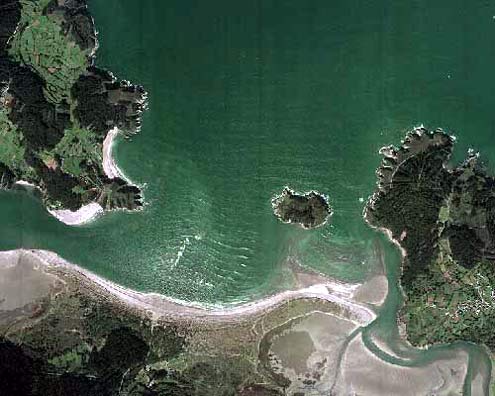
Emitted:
pixel 443 217
pixel 56 107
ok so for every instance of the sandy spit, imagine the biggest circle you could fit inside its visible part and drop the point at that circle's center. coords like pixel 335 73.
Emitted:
pixel 161 306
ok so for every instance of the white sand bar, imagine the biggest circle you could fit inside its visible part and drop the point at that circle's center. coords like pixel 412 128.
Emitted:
pixel 160 305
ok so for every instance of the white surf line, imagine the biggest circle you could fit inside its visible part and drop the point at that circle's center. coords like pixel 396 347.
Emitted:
pixel 162 306
pixel 181 251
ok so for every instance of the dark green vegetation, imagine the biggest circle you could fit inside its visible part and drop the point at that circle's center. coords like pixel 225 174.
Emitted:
pixel 78 342
pixel 77 339
pixel 444 218
pixel 309 210
pixel 56 108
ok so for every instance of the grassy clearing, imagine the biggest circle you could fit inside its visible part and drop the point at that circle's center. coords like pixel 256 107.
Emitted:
pixel 11 148
pixel 40 44
pixel 459 298
pixel 77 146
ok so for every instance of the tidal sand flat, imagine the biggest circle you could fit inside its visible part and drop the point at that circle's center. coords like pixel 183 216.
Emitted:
pixel 22 281
pixel 363 373
pixel 72 313
pixel 305 352
pixel 304 342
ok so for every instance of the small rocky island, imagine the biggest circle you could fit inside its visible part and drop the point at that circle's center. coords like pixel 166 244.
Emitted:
pixel 57 108
pixel 310 210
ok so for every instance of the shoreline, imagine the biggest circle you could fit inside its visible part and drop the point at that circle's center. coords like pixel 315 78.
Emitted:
pixel 109 165
pixel 160 305
pixel 307 194
pixel 83 215
pixel 93 210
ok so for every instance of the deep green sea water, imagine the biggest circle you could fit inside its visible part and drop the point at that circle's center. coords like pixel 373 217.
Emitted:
pixel 246 97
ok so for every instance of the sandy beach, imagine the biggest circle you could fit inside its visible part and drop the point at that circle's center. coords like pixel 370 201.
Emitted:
pixel 162 306
pixel 93 210
pixel 84 215
pixel 109 166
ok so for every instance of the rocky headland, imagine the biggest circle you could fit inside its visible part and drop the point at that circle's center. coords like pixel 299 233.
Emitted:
pixel 443 218
pixel 57 107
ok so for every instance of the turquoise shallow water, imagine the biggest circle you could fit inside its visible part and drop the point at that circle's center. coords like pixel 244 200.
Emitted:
pixel 247 97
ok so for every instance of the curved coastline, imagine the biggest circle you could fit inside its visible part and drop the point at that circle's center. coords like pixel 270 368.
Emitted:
pixel 398 236
pixel 160 305
pixel 83 215
pixel 109 165
pixel 90 212
pixel 369 203
pixel 99 101
pixel 400 323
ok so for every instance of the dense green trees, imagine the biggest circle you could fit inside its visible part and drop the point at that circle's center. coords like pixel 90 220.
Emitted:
pixel 55 110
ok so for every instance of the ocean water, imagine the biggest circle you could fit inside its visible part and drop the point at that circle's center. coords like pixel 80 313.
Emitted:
pixel 246 97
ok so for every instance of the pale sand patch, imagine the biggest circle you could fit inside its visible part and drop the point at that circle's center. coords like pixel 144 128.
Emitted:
pixel 160 305
pixel 309 350
pixel 329 334
pixel 109 166
pixel 22 280
pixel 477 386
pixel 374 291
pixel 83 215
pixel 293 349
pixel 363 373
pixel 384 346
pixel 25 183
